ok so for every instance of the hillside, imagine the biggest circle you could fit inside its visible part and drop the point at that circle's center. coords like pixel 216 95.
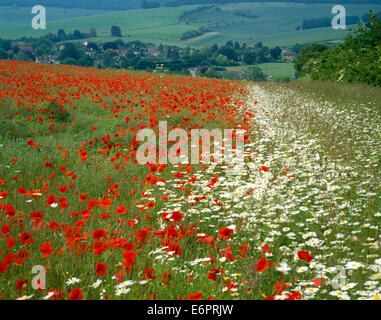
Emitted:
pixel 135 4
pixel 272 23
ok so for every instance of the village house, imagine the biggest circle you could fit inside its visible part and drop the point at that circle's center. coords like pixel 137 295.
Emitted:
pixel 288 55
pixel 48 59
pixel 195 71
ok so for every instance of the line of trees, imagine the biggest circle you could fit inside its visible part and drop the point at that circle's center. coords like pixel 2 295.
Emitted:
pixel 326 22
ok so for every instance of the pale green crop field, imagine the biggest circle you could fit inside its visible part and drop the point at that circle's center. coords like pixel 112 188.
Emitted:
pixel 274 69
pixel 272 23
pixel 16 16
pixel 278 70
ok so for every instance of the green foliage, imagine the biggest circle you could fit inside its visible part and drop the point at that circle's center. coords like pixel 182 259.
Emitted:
pixel 57 113
pixel 148 4
pixel 194 33
pixel 115 31
pixel 308 57
pixel 255 74
pixel 358 59
pixel 70 50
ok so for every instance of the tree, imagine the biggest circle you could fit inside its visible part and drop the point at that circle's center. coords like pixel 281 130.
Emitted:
pixel 92 45
pixel 70 61
pixel 3 54
pixel 70 51
pixel 173 54
pixel 115 31
pixel 86 61
pixel 222 60
pixel 229 44
pixel 214 48
pixel 110 45
pixel 93 32
pixel 229 52
pixel 249 57
pixel 43 49
pixel 255 74
pixel 307 57
pixel 61 35
pixel 275 53
pixel 148 4
pixel 77 34
pixel 5 44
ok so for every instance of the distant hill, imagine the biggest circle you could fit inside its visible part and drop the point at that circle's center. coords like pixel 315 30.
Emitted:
pixel 85 4
pixel 135 4
pixel 273 24
pixel 177 3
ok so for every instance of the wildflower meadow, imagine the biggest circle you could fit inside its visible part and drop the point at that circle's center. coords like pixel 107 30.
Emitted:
pixel 297 218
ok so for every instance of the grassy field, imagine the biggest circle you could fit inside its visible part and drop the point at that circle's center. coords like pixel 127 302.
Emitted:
pixel 276 70
pixel 16 16
pixel 272 23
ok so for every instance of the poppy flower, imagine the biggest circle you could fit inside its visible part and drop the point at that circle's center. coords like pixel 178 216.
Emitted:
pixel 26 238
pixel 46 249
pixel 148 274
pixel 83 197
pixel 225 233
pixel 305 255
pixel 101 269
pixel 121 209
pixel 195 296
pixel 262 264
pixel 76 294
pixel 22 284
pixel 99 234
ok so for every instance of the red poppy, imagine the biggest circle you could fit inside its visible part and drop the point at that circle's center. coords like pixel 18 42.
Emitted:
pixel 148 273
pixel 195 296
pixel 262 264
pixel 99 234
pixel 121 209
pixel 26 238
pixel 305 255
pixel 83 197
pixel 225 233
pixel 22 284
pixel 46 249
pixel 101 269
pixel 76 294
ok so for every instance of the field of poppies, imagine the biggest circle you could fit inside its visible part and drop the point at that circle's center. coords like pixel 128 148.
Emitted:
pixel 80 218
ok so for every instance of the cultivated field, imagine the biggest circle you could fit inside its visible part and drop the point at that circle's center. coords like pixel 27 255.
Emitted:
pixel 272 23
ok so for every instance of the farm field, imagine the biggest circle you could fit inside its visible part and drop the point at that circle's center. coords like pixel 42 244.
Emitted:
pixel 16 16
pixel 276 70
pixel 298 219
pixel 272 23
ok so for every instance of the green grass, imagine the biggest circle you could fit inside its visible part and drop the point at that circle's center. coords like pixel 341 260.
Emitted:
pixel 295 122
pixel 276 70
pixel 275 23
pixel 16 16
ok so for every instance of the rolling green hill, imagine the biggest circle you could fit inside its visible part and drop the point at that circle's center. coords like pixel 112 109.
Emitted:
pixel 271 23
pixel 16 16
